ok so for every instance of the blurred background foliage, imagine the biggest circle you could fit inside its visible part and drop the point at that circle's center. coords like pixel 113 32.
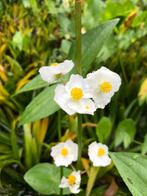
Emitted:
pixel 34 33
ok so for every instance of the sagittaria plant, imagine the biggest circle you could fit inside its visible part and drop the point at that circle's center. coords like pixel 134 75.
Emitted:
pixel 77 95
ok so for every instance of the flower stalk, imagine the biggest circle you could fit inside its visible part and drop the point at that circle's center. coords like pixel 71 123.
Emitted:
pixel 78 36
pixel 78 56
pixel 59 137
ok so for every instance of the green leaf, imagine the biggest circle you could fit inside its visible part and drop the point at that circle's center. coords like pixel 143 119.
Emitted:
pixel 41 106
pixel 125 132
pixel 15 67
pixel 92 43
pixel 17 40
pixel 133 169
pixel 34 84
pixel 91 180
pixel 103 129
pixel 45 178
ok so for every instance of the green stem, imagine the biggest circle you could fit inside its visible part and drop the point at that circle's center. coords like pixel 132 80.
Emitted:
pixel 79 70
pixel 78 36
pixel 59 125
pixel 79 140
pixel 59 137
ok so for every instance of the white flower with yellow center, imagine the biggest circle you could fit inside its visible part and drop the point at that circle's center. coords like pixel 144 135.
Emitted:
pixel 103 83
pixel 53 72
pixel 74 96
pixel 98 154
pixel 65 153
pixel 72 182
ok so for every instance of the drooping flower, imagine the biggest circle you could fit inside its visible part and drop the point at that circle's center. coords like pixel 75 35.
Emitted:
pixel 56 70
pixel 72 182
pixel 74 96
pixel 65 153
pixel 103 84
pixel 98 154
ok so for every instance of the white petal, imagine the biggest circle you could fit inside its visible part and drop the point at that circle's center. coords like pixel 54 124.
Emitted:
pixel 61 98
pixel 47 74
pixel 66 66
pixel 74 189
pixel 75 80
pixel 64 183
pixel 101 100
pixel 102 162
pixel 73 149
pixel 84 106
pixel 61 161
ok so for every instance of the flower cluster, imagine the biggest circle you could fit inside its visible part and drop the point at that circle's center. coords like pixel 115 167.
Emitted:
pixel 84 96
pixel 65 153
pixel 81 95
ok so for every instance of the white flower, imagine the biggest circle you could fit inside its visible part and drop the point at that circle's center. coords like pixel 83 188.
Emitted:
pixel 72 182
pixel 103 83
pixel 98 154
pixel 53 72
pixel 65 153
pixel 74 96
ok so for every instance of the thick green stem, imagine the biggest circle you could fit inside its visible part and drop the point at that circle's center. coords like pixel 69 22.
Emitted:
pixel 59 125
pixel 79 70
pixel 59 137
pixel 78 36
pixel 79 140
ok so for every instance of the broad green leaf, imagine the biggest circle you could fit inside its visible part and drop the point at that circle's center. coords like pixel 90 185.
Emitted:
pixel 133 169
pixel 41 106
pixel 125 132
pixel 103 129
pixel 45 178
pixel 35 83
pixel 92 43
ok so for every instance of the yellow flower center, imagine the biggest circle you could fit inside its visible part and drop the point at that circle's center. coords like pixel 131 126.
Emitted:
pixel 100 152
pixel 64 152
pixel 76 93
pixel 54 64
pixel 71 180
pixel 106 87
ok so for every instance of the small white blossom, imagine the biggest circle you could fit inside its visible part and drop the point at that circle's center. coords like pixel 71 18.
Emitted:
pixel 53 72
pixel 74 96
pixel 103 83
pixel 98 154
pixel 65 153
pixel 72 182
